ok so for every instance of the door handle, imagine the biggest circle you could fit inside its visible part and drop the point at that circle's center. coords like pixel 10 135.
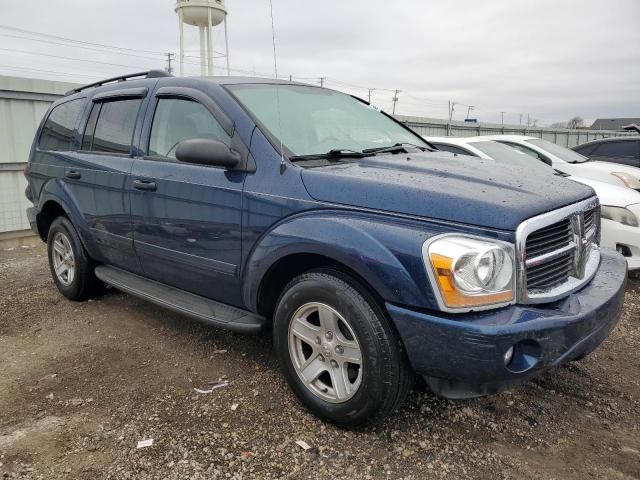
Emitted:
pixel 73 174
pixel 146 185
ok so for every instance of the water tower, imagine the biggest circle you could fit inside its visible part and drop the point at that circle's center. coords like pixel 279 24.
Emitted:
pixel 204 14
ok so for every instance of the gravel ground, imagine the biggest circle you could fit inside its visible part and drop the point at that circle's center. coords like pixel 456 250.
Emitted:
pixel 82 383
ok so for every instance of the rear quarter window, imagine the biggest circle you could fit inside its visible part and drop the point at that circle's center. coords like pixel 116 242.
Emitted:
pixel 58 129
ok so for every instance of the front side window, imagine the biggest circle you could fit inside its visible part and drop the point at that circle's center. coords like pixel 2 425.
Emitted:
pixel 111 125
pixel 58 129
pixel 311 120
pixel 561 152
pixel 176 120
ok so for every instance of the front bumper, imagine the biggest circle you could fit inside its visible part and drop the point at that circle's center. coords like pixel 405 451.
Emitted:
pixel 615 234
pixel 462 356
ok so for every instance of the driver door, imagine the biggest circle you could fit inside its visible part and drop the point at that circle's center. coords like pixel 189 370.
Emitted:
pixel 186 217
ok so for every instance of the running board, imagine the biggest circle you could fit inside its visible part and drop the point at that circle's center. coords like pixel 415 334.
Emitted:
pixel 189 304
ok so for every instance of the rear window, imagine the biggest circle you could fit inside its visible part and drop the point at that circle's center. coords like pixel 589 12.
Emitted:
pixel 561 152
pixel 445 147
pixel 58 129
pixel 111 125
pixel 509 155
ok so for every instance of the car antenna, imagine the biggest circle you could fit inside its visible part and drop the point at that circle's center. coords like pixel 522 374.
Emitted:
pixel 283 165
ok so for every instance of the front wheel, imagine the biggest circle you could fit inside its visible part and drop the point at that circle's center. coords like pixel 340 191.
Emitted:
pixel 338 351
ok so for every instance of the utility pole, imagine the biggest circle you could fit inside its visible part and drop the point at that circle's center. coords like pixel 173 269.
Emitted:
pixel 290 77
pixel 452 106
pixel 395 100
pixel 322 79
pixel 520 119
pixel 169 60
pixel 502 117
pixel 528 120
pixel 469 108
pixel 370 90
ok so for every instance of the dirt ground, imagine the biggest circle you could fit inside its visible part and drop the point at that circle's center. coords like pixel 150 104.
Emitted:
pixel 82 383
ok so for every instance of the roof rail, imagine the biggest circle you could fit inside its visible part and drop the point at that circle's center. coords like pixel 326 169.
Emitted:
pixel 122 78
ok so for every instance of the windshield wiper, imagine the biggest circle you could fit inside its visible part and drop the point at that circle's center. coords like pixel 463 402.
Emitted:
pixel 393 148
pixel 335 153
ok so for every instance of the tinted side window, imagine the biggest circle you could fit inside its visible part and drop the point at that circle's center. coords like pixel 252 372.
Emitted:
pixel 57 130
pixel 87 138
pixel 176 120
pixel 453 149
pixel 625 149
pixel 115 124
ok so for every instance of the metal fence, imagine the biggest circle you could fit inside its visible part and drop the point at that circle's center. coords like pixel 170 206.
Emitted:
pixel 23 102
pixel 433 127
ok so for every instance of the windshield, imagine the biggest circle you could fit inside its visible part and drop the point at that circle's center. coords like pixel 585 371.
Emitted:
pixel 560 152
pixel 312 120
pixel 502 153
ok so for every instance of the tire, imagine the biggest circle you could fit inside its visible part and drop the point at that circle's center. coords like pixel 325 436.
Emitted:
pixel 337 388
pixel 75 278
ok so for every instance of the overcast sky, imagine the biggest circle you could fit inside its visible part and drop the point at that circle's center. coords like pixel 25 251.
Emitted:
pixel 553 59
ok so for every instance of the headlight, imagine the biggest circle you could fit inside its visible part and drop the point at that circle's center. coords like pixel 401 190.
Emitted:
pixel 620 215
pixel 628 180
pixel 468 272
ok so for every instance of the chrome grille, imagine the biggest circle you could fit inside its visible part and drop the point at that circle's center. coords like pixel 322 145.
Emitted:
pixel 549 239
pixel 556 251
pixel 550 273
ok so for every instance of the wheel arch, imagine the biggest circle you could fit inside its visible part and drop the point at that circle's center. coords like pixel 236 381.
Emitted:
pixel 56 199
pixel 341 242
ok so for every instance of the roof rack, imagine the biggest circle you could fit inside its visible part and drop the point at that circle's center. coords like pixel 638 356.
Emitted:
pixel 123 78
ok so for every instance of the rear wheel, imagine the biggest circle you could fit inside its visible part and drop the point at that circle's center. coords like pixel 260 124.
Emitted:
pixel 71 267
pixel 338 351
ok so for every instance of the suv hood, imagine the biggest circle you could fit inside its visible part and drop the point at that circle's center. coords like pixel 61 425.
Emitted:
pixel 444 186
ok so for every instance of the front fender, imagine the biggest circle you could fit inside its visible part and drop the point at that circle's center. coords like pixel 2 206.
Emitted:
pixel 56 190
pixel 384 251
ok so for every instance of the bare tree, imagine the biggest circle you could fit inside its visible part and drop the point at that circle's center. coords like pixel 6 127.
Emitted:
pixel 575 122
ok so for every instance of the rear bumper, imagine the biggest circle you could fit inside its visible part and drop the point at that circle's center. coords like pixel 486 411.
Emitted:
pixel 32 217
pixel 462 356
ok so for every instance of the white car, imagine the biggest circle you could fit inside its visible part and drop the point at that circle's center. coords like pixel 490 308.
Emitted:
pixel 620 206
pixel 571 162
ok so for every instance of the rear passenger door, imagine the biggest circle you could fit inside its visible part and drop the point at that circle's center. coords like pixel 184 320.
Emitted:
pixel 104 163
pixel 187 218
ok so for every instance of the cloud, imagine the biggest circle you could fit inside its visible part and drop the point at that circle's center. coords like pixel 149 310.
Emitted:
pixel 551 59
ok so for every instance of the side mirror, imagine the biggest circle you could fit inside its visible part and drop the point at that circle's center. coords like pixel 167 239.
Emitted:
pixel 204 151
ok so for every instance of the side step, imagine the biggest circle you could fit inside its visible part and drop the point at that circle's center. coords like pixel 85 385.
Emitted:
pixel 189 304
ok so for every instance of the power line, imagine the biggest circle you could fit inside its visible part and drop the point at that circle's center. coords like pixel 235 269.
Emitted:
pixel 19 33
pixel 26 52
pixel 95 49
pixel 82 42
pixel 52 72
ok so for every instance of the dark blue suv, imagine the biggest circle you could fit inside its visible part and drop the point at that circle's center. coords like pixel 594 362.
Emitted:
pixel 259 205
